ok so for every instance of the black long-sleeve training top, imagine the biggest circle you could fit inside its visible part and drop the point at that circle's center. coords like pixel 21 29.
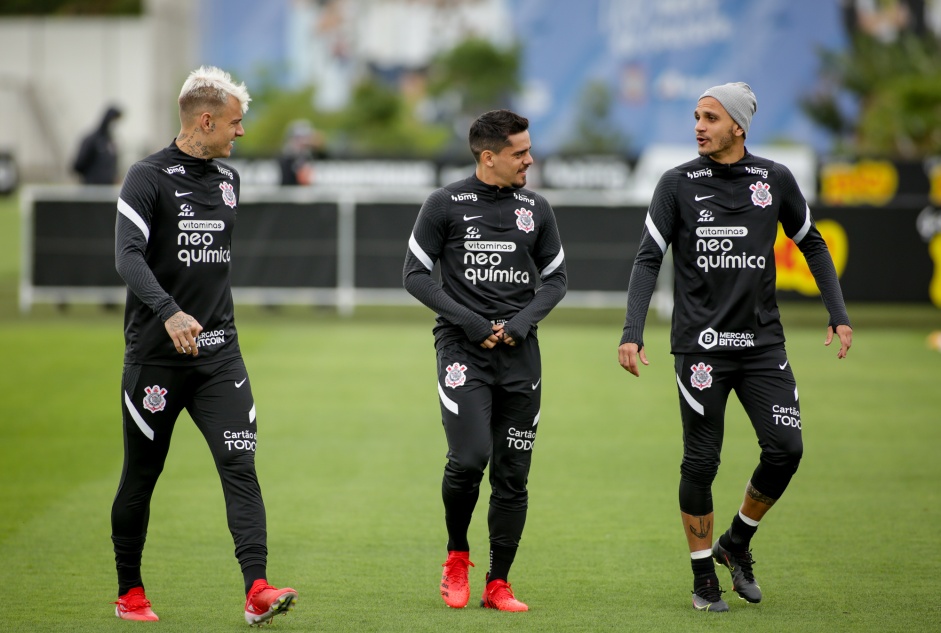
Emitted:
pixel 500 256
pixel 173 237
pixel 721 221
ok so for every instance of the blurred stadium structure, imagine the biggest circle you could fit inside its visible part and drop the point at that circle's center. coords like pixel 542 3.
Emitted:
pixel 624 72
pixel 653 58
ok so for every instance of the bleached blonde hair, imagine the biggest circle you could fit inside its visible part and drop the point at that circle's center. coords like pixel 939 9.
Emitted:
pixel 209 87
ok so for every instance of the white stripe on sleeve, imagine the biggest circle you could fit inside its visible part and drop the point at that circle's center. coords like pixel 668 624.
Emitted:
pixel 419 253
pixel 553 265
pixel 803 232
pixel 655 234
pixel 132 215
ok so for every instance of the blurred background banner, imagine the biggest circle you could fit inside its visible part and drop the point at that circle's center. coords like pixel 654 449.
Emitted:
pixel 361 107
pixel 656 58
pixel 651 60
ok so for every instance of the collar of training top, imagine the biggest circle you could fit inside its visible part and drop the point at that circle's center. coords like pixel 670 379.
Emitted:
pixel 481 188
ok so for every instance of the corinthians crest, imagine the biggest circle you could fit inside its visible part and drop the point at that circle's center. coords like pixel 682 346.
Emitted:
pixel 524 220
pixel 154 400
pixel 761 195
pixel 455 376
pixel 228 194
pixel 701 378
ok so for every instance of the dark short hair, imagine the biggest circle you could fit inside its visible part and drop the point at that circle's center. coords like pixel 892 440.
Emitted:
pixel 492 130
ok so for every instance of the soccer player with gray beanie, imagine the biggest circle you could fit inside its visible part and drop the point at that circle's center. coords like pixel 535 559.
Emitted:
pixel 720 212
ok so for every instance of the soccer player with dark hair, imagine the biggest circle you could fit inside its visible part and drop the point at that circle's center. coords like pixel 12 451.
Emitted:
pixel 173 237
pixel 502 270
pixel 720 213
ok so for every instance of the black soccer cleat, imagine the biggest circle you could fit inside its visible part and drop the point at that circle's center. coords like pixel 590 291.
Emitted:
pixel 707 596
pixel 743 578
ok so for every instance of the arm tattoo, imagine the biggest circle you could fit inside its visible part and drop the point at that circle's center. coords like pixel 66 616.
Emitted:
pixel 704 528
pixel 757 496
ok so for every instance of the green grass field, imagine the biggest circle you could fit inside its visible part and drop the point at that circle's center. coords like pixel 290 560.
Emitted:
pixel 350 458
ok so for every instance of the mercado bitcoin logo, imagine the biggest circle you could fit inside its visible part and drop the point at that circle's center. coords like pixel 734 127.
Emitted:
pixel 793 272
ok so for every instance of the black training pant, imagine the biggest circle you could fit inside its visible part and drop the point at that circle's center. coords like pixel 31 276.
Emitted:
pixel 218 397
pixel 490 411
pixel 765 386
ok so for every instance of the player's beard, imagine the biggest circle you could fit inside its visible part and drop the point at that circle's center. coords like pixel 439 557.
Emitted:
pixel 720 145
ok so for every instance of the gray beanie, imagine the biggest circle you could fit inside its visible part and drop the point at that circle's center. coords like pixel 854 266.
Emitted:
pixel 737 99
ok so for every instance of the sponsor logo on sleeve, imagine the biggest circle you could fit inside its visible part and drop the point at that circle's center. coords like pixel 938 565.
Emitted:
pixel 225 172
pixel 175 169
pixel 464 197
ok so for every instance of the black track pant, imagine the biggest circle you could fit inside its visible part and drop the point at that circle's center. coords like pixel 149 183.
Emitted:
pixel 219 399
pixel 490 411
pixel 765 386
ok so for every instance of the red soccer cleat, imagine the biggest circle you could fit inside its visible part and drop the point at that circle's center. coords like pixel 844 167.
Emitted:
pixel 134 605
pixel 454 587
pixel 499 595
pixel 264 602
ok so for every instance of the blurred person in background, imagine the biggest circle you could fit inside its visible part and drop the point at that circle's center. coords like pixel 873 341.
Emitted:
pixel 496 243
pixel 96 162
pixel 721 212
pixel 173 236
pixel 303 144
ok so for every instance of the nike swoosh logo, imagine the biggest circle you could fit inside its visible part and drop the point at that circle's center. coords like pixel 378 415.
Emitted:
pixel 473 217
pixel 537 384
pixel 782 366
pixel 180 195
pixel 698 198
pixel 240 383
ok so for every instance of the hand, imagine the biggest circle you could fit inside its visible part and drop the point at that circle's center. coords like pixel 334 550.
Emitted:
pixel 503 335
pixel 183 330
pixel 499 336
pixel 493 340
pixel 845 333
pixel 628 355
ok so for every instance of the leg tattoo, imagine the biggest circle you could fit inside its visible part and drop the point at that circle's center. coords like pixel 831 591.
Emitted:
pixel 703 530
pixel 757 496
